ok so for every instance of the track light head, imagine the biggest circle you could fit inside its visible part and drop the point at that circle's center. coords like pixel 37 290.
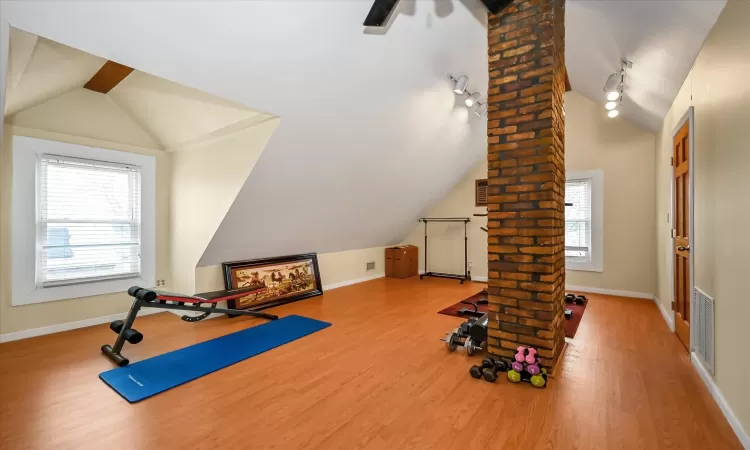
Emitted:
pixel 612 114
pixel 613 82
pixel 481 109
pixel 613 95
pixel 472 99
pixel 610 106
pixel 462 83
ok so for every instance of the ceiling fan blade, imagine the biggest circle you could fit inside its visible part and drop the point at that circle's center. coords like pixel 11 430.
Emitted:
pixel 379 13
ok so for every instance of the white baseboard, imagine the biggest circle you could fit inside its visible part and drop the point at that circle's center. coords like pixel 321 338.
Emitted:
pixel 734 422
pixel 33 332
pixel 669 318
pixel 478 278
pixel 328 287
pixel 594 290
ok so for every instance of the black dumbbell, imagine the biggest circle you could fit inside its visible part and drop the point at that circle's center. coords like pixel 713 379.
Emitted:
pixel 580 300
pixel 476 371
pixel 568 313
pixel 116 326
pixel 570 298
pixel 490 374
pixel 133 336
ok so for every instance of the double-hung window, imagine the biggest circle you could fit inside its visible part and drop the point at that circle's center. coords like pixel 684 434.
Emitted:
pixel 83 220
pixel 584 193
pixel 89 221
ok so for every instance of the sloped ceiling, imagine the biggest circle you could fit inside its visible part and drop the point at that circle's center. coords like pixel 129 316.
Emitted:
pixel 45 90
pixel 662 38
pixel 81 112
pixel 176 115
pixel 41 69
pixel 371 134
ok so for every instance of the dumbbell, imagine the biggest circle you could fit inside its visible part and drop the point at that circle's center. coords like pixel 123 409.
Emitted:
pixel 570 298
pixel 476 371
pixel 490 374
pixel 568 313
pixel 580 300
pixel 531 356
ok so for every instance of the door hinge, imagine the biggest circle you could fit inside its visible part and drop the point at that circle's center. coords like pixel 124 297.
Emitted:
pixel 673 307
pixel 671 161
pixel 674 233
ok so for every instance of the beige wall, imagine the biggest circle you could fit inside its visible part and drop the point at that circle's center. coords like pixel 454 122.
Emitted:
pixel 335 268
pixel 18 318
pixel 718 90
pixel 445 249
pixel 624 151
pixel 205 182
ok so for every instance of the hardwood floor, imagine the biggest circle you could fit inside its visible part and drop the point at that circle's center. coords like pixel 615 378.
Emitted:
pixel 377 379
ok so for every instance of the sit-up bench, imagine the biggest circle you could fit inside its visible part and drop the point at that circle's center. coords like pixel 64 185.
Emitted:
pixel 147 298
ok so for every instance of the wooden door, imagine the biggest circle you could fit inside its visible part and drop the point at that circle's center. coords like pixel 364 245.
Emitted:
pixel 682 284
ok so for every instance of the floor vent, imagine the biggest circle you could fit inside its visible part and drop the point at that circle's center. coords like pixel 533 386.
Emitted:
pixel 371 265
pixel 703 328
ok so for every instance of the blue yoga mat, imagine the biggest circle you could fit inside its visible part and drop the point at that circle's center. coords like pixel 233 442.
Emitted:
pixel 160 373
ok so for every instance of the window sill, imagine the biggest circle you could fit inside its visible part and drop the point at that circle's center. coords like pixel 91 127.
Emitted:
pixel 70 291
pixel 583 266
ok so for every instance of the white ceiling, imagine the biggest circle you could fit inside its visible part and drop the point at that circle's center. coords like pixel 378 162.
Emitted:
pixel 661 37
pixel 370 134
pixel 45 82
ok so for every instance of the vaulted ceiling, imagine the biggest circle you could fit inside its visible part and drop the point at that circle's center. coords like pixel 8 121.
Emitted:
pixel 46 78
pixel 371 134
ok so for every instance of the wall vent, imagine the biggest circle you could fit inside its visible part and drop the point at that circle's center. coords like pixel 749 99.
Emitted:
pixel 371 265
pixel 703 327
pixel 480 192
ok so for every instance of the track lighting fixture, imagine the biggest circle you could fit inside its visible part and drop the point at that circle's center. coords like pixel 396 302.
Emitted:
pixel 462 83
pixel 472 99
pixel 613 88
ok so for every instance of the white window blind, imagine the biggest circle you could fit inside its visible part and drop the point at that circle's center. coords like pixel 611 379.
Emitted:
pixel 578 220
pixel 89 221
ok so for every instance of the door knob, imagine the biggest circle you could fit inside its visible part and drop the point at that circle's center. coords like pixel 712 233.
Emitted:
pixel 684 249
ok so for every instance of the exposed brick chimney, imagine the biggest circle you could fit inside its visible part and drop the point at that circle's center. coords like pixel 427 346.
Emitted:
pixel 526 157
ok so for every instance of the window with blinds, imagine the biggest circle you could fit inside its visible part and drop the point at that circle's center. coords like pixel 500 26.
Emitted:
pixel 578 220
pixel 88 221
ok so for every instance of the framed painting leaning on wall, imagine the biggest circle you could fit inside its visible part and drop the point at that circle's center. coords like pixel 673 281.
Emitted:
pixel 281 280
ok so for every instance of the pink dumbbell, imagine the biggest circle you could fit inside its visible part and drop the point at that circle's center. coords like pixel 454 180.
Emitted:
pixel 521 355
pixel 531 356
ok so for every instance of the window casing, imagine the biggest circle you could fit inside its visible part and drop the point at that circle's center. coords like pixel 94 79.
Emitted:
pixel 584 221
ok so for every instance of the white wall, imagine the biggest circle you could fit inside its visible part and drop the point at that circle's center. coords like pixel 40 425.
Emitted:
pixel 367 115
pixel 717 88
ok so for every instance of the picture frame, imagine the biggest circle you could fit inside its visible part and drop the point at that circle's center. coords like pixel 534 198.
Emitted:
pixel 281 279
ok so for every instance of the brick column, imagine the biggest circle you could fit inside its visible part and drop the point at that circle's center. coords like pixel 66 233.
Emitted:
pixel 526 158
